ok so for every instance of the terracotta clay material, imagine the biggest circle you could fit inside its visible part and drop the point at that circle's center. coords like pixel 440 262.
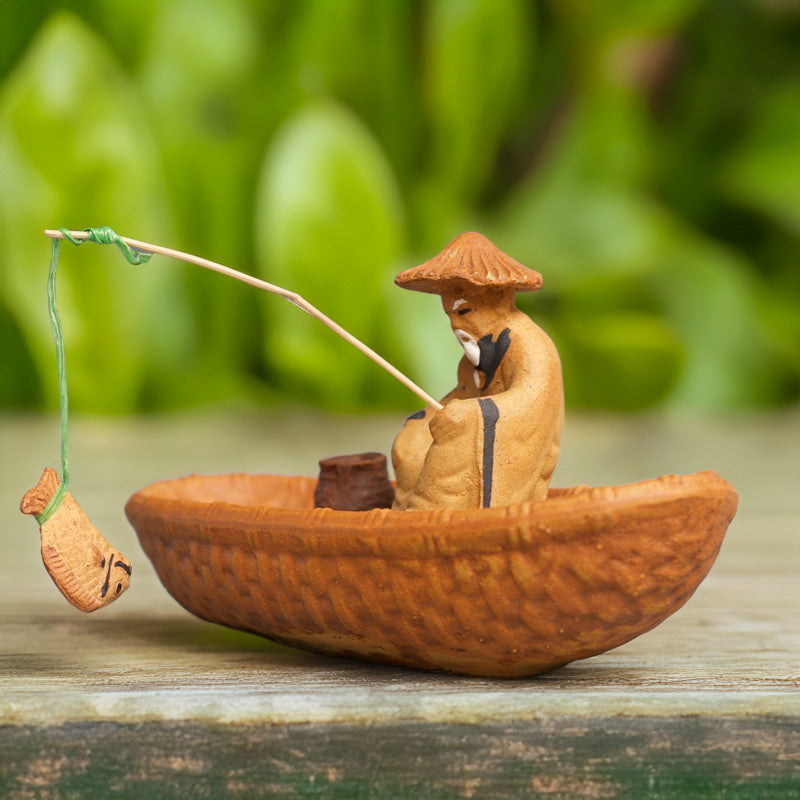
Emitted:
pixel 356 482
pixel 496 440
pixel 470 259
pixel 496 592
pixel 88 570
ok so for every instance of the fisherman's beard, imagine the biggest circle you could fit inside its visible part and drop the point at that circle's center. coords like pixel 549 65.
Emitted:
pixel 485 354
pixel 470 345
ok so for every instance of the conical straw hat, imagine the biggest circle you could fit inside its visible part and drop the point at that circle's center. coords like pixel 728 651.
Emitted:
pixel 470 259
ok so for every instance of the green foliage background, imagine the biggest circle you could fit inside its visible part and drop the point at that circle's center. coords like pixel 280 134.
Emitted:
pixel 644 155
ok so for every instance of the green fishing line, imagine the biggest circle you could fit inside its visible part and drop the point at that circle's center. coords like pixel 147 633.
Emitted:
pixel 55 323
pixel 103 235
pixel 106 235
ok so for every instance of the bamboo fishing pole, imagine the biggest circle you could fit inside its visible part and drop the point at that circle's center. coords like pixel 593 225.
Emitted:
pixel 292 297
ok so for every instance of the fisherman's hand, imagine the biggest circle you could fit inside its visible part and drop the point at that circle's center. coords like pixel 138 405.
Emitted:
pixel 454 418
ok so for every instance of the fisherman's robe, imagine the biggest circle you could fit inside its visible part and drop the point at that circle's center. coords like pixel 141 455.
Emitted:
pixel 496 440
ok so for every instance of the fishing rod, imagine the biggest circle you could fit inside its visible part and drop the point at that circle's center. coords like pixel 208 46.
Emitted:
pixel 292 297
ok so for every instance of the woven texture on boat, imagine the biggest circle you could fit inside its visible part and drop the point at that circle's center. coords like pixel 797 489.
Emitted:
pixel 529 588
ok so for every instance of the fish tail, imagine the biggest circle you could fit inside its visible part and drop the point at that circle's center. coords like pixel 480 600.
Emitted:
pixel 36 499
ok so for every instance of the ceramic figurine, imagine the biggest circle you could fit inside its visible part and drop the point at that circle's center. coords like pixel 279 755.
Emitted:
pixel 478 568
pixel 473 566
pixel 496 441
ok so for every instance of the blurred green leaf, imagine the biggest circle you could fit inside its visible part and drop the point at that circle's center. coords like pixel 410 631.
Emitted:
pixel 623 362
pixel 196 84
pixel 581 212
pixel 573 236
pixel 75 150
pixel 19 384
pixel 711 300
pixel 764 171
pixel 617 18
pixel 779 313
pixel 325 57
pixel 476 56
pixel 364 55
pixel 329 226
pixel 199 82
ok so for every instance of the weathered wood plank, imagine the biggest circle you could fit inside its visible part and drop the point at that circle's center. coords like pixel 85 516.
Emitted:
pixel 143 700
pixel 742 758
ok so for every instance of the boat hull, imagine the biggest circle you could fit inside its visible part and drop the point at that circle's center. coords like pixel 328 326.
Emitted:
pixel 494 592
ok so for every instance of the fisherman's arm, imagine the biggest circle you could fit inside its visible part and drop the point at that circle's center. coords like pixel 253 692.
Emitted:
pixel 413 442
pixel 449 477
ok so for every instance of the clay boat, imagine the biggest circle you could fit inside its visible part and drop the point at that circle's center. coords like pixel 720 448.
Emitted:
pixel 494 592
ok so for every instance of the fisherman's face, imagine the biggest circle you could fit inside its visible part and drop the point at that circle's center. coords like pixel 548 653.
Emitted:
pixel 473 315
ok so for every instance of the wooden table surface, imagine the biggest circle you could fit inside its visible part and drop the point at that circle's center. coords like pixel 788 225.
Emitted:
pixel 141 699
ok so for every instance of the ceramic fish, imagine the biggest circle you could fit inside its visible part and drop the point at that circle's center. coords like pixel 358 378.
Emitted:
pixel 88 571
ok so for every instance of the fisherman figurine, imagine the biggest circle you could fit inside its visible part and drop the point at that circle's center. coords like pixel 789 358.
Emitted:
pixel 496 440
